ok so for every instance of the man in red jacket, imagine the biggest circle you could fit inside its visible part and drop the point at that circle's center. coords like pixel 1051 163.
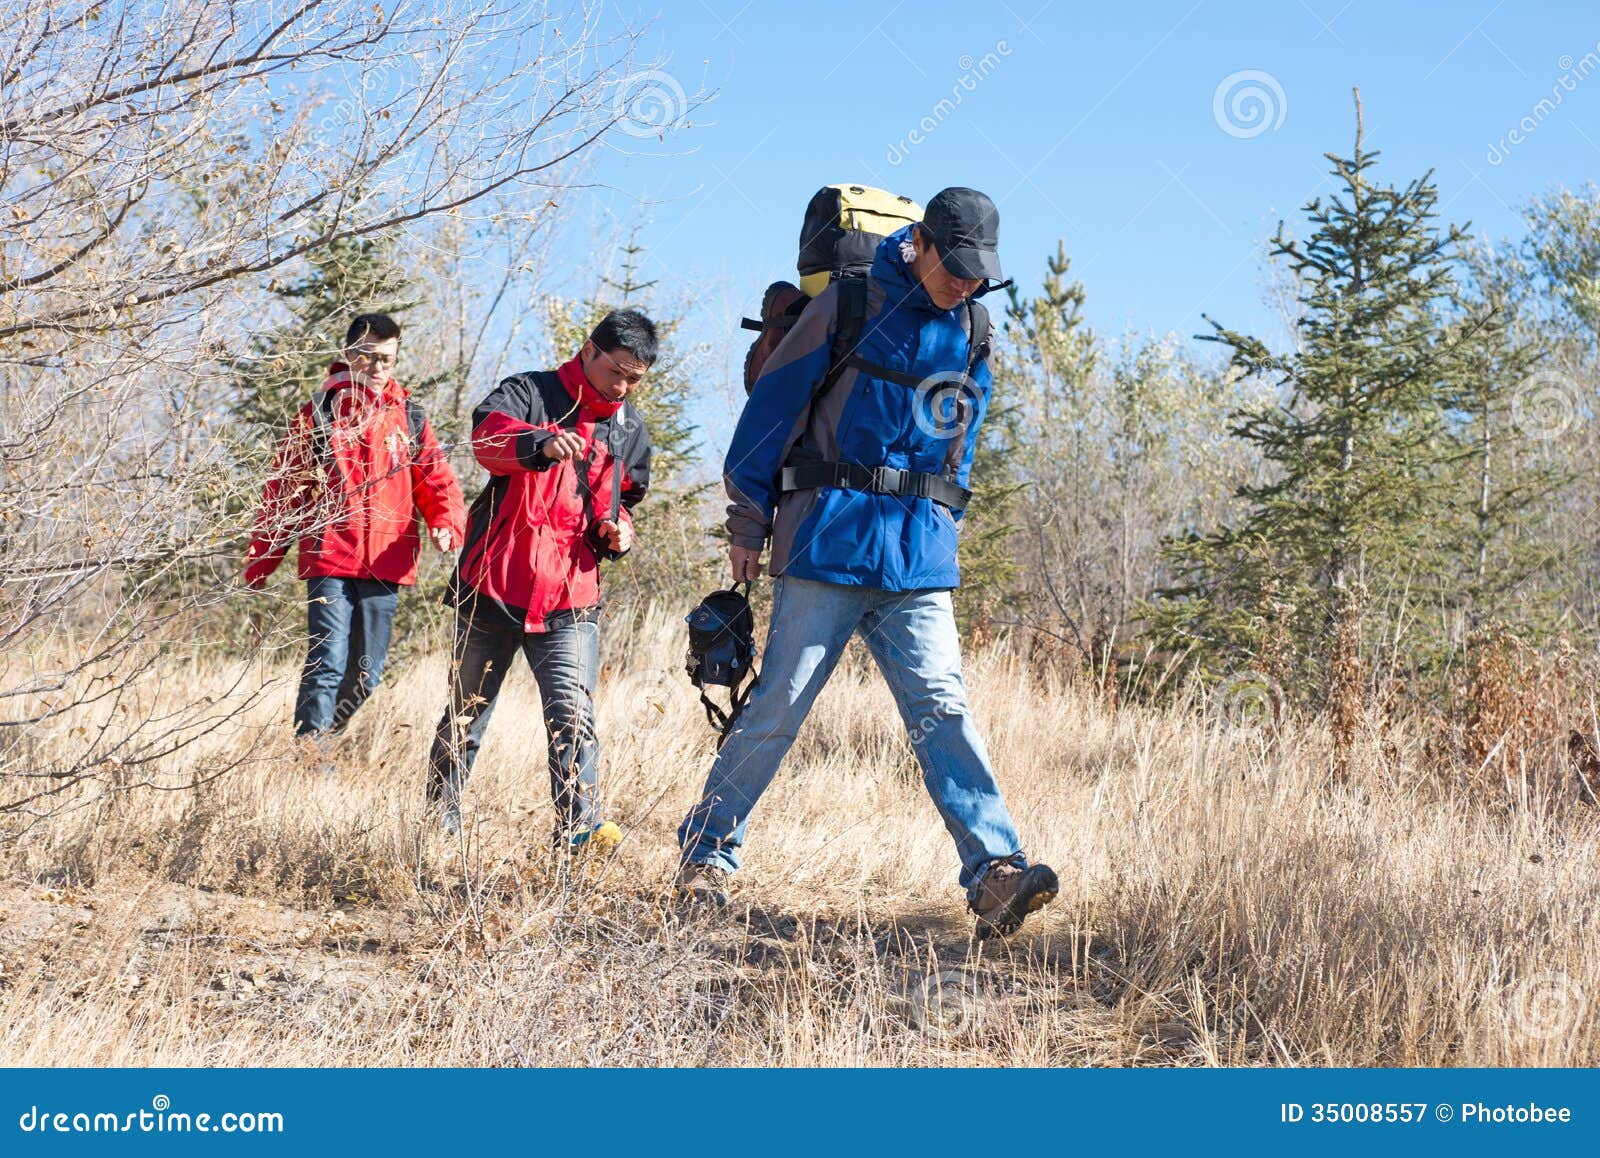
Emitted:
pixel 359 465
pixel 568 461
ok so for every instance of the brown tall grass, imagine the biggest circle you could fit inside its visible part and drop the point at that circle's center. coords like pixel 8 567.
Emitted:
pixel 1225 901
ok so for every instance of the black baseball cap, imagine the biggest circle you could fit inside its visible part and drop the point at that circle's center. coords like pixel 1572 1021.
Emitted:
pixel 965 226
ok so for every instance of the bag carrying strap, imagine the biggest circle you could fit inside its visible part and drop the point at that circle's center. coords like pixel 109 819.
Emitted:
pixel 881 480
pixel 416 418
pixel 723 721
pixel 850 314
pixel 322 424
pixel 586 491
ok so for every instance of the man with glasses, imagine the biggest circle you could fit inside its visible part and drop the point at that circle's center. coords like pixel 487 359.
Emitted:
pixel 855 469
pixel 359 467
pixel 568 460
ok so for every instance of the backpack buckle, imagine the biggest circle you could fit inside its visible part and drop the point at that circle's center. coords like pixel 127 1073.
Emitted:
pixel 887 480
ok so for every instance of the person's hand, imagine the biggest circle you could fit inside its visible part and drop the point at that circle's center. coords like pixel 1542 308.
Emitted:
pixel 746 562
pixel 442 539
pixel 253 580
pixel 617 536
pixel 566 444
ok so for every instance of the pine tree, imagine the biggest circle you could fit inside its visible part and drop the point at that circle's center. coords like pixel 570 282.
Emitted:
pixel 1357 447
pixel 1559 301
pixel 1505 474
pixel 1038 411
pixel 989 567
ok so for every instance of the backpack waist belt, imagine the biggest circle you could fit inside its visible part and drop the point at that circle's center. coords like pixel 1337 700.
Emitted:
pixel 881 480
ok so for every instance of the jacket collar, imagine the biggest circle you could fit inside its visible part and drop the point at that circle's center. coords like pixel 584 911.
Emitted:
pixel 591 406
pixel 890 270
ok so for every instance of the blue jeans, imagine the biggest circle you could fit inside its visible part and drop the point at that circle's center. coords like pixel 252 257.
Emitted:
pixel 566 662
pixel 348 623
pixel 912 636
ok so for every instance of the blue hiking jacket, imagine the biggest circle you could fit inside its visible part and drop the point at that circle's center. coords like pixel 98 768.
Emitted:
pixel 851 537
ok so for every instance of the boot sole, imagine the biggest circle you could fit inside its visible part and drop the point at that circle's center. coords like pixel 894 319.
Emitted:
pixel 1040 886
pixel 703 899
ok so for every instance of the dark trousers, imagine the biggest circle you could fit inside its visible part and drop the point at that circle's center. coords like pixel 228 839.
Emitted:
pixel 348 624
pixel 566 663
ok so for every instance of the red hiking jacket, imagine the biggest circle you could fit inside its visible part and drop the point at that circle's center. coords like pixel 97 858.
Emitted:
pixel 355 512
pixel 531 546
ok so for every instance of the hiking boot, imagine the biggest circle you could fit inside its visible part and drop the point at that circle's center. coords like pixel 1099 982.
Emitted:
pixel 600 841
pixel 1007 892
pixel 447 812
pixel 450 818
pixel 315 751
pixel 702 884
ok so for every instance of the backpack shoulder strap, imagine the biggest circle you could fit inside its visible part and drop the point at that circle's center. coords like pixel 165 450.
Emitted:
pixel 977 334
pixel 850 313
pixel 322 424
pixel 416 419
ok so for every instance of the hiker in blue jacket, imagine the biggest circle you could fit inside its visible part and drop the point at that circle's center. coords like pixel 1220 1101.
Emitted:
pixel 852 458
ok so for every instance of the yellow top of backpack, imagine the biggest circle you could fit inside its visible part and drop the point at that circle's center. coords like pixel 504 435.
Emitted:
pixel 860 209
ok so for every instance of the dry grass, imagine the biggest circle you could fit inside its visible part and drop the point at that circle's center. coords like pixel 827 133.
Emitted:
pixel 1224 901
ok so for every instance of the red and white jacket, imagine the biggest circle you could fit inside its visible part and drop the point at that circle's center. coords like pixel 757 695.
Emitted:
pixel 531 544
pixel 355 511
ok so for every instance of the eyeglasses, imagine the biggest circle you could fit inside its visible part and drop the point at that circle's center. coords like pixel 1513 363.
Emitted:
pixel 362 355
pixel 632 378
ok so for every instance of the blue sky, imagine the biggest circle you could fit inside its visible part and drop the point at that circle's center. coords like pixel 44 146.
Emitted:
pixel 1099 124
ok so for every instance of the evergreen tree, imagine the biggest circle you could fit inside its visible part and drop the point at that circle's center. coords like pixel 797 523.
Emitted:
pixel 1357 446
pixel 1042 367
pixel 1558 279
pixel 1505 475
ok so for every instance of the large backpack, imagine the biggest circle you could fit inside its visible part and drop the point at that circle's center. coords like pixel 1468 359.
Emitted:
pixel 838 237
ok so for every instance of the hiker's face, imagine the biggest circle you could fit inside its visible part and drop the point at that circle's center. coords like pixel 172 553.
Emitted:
pixel 372 362
pixel 614 374
pixel 946 290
